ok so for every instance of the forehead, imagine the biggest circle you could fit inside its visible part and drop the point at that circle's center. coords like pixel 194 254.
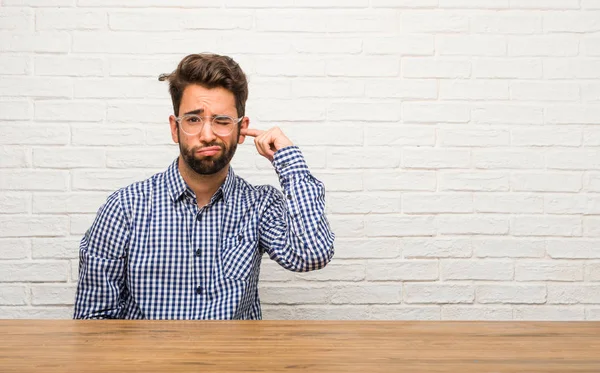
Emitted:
pixel 217 100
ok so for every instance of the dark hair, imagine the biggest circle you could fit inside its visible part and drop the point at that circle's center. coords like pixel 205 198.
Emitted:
pixel 209 71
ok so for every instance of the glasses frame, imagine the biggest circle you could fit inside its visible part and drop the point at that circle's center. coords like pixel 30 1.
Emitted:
pixel 235 121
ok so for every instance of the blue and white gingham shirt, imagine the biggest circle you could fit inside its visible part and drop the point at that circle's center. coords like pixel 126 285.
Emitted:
pixel 152 253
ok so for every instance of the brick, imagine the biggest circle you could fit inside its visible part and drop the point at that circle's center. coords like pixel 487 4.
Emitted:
pixel 410 270
pixel 564 68
pixel 405 180
pixel 112 135
pixel 154 21
pixel 373 157
pixel 33 271
pixel 340 312
pixel 591 137
pixel 474 4
pixel 69 111
pixel 508 203
pixel 363 203
pixel 122 88
pixel 30 313
pixel 476 270
pixel 271 271
pixel 15 202
pixel 336 272
pixel 33 180
pixel 404 3
pixel 377 248
pixel 422 67
pixel 436 247
pixel 574 21
pixel 509 23
pixel 544 91
pixel 372 112
pixel 472 313
pixel 73 202
pixel 39 3
pixel 136 112
pixel 416 22
pixel 69 19
pixel 407 89
pixel 347 226
pixel 507 68
pixel 573 294
pixel 16 19
pixel 68 158
pixel 473 224
pixel 438 293
pixel 47 41
pixel 473 90
pixel 546 137
pixel 405 45
pixel 572 114
pixel 509 248
pixel 470 45
pixel 419 203
pixel 15 248
pixel 435 158
pixel 109 180
pixel 302 294
pixel 24 226
pixel 399 225
pixel 574 249
pixel 13 295
pixel 299 66
pixel 151 3
pixel 54 295
pixel 592 313
pixel 340 182
pixel 546 182
pixel 418 112
pixel 592 271
pixel 572 204
pixel 283 110
pixel 473 137
pixel 328 87
pixel 74 270
pixel 280 88
pixel 543 46
pixel 398 135
pixel 15 110
pixel 136 43
pixel 55 248
pixel 35 87
pixel 508 159
pixel 548 270
pixel 591 46
pixel 592 182
pixel 141 158
pixel 546 313
pixel 146 66
pixel 391 312
pixel 367 294
pixel 546 225
pixel 29 134
pixel 507 114
pixel 15 157
pixel 511 294
pixel 486 181
pixel 68 66
pixel 15 65
pixel 591 226
pixel 574 159
pixel 363 67
pixel 590 4
pixel 325 21
pixel 548 4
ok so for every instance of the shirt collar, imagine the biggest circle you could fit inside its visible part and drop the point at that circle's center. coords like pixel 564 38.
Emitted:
pixel 177 186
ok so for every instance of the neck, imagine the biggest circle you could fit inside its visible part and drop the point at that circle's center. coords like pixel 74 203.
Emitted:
pixel 204 186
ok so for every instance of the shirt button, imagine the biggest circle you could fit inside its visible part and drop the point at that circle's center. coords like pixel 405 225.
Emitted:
pixel 289 196
pixel 198 252
pixel 199 290
pixel 240 237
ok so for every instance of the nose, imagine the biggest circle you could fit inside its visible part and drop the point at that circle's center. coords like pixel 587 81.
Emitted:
pixel 206 134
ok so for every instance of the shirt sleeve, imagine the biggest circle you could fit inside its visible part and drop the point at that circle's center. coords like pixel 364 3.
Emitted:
pixel 294 230
pixel 102 258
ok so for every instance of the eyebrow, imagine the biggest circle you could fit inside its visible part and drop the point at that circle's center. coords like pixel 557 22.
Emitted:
pixel 197 111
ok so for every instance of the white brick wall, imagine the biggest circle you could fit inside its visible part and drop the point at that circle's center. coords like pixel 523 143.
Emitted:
pixel 459 141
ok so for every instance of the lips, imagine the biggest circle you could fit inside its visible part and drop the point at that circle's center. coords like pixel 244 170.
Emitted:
pixel 208 151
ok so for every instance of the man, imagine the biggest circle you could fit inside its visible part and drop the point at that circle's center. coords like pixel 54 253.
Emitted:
pixel 187 243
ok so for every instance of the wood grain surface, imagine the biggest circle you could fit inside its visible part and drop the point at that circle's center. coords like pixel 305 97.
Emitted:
pixel 298 346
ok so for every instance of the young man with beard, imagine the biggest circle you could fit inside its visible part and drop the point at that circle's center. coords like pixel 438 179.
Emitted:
pixel 187 243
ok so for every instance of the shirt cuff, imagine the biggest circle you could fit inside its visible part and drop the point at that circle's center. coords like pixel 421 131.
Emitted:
pixel 289 161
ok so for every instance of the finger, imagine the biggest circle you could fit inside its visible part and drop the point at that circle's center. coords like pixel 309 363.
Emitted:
pixel 265 143
pixel 251 132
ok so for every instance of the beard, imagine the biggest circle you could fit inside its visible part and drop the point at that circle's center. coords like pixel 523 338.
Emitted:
pixel 208 165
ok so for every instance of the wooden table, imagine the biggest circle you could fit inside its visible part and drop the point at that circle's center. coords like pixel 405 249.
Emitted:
pixel 298 346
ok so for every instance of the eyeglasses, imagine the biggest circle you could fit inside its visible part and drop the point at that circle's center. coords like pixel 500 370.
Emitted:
pixel 221 125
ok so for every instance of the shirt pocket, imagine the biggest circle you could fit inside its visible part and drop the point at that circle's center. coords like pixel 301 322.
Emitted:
pixel 239 256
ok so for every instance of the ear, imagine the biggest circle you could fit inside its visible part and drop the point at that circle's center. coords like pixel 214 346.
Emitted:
pixel 173 125
pixel 245 123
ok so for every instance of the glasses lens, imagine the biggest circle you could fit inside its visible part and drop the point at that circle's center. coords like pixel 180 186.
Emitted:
pixel 191 124
pixel 222 125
